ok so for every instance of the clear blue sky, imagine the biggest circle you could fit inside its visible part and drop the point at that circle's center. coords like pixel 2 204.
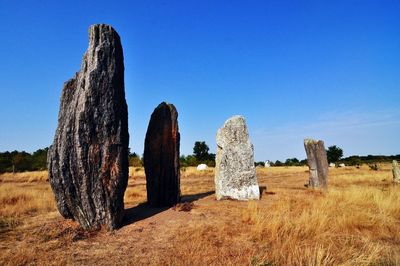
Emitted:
pixel 322 69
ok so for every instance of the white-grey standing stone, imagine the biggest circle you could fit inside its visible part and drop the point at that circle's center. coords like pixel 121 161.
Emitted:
pixel 317 163
pixel 396 172
pixel 235 173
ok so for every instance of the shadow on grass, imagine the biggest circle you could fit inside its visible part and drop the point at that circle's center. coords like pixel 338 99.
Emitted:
pixel 144 210
pixel 140 212
pixel 194 197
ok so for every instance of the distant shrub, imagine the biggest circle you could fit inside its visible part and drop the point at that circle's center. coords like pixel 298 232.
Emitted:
pixel 354 161
pixel 303 162
pixel 334 154
pixel 374 167
pixel 138 169
pixel 292 162
pixel 134 160
pixel 259 164
pixel 17 161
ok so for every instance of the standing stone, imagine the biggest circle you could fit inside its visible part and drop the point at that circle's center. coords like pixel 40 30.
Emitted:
pixel 88 161
pixel 161 157
pixel 396 172
pixel 317 163
pixel 235 174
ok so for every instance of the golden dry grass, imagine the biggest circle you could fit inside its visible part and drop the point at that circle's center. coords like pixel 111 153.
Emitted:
pixel 37 176
pixel 352 227
pixel 18 201
pixel 357 222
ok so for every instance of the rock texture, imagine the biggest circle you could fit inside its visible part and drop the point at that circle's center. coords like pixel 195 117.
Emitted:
pixel 88 161
pixel 396 172
pixel 317 163
pixel 235 173
pixel 161 157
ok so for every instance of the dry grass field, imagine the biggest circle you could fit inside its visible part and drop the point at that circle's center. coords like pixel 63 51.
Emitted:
pixel 357 222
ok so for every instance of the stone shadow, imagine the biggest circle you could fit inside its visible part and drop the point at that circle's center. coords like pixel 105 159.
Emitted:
pixel 194 197
pixel 144 210
pixel 140 212
pixel 262 189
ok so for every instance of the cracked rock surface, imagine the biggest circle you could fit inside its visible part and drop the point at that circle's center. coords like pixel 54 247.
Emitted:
pixel 317 163
pixel 235 173
pixel 88 160
pixel 161 157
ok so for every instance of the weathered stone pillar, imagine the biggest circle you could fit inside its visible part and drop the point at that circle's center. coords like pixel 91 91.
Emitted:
pixel 396 172
pixel 161 157
pixel 235 173
pixel 88 161
pixel 317 163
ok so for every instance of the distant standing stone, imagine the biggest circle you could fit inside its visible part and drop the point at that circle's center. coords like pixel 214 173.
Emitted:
pixel 317 163
pixel 202 167
pixel 235 174
pixel 161 157
pixel 88 161
pixel 396 172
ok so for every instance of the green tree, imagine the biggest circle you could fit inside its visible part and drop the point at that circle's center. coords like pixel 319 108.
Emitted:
pixel 303 162
pixel 334 154
pixel 191 160
pixel 182 161
pixel 211 160
pixel 5 162
pixel 353 161
pixel 21 161
pixel 259 164
pixel 39 159
pixel 200 151
pixel 134 160
pixel 292 162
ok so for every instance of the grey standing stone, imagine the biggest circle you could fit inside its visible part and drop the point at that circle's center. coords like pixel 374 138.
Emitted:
pixel 88 161
pixel 317 163
pixel 235 173
pixel 161 157
pixel 396 172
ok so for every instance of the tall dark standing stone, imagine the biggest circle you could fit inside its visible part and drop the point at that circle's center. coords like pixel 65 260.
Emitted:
pixel 317 163
pixel 88 161
pixel 161 157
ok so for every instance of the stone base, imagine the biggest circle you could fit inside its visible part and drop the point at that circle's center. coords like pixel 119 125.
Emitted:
pixel 246 193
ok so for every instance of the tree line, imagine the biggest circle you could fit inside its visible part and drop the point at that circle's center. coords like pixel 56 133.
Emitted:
pixel 334 155
pixel 17 161
pixel 20 161
pixel 200 155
